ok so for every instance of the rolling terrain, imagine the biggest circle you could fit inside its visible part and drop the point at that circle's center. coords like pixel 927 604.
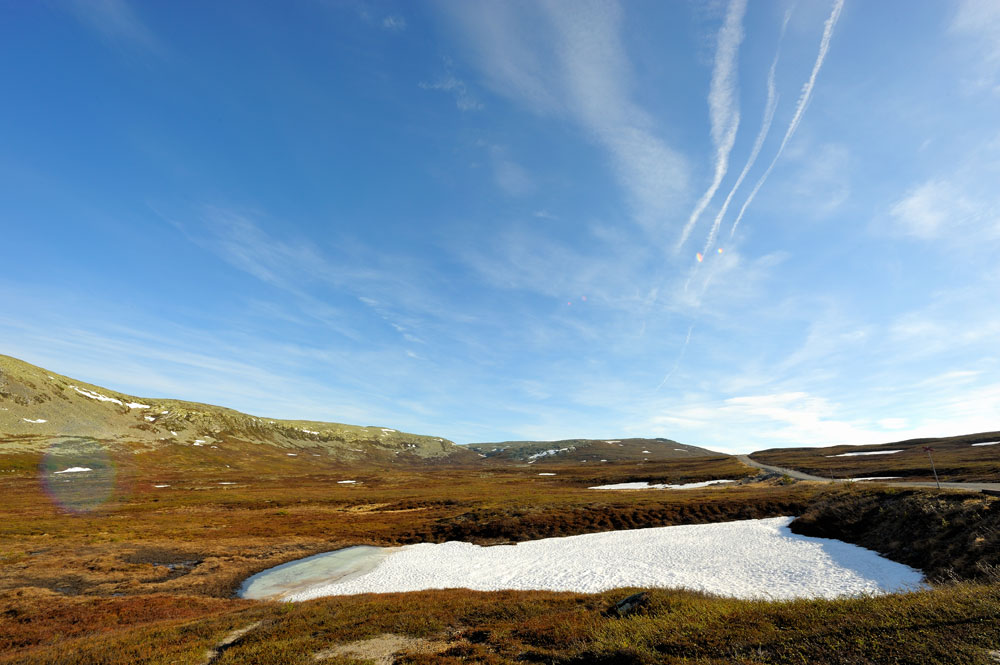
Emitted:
pixel 128 524
pixel 965 458
pixel 45 412
pixel 575 451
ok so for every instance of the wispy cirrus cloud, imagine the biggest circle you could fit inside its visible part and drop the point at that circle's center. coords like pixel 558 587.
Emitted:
pixel 723 106
pixel 569 60
pixel 394 23
pixel 465 100
pixel 117 21
pixel 977 24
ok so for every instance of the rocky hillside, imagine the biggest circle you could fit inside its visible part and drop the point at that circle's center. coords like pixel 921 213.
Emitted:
pixel 38 406
pixel 588 450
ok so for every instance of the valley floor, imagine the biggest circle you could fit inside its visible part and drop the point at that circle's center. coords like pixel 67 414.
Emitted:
pixel 148 574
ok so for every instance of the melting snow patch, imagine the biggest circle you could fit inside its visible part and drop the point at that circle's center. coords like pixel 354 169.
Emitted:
pixel 988 443
pixel 136 405
pixel 39 421
pixel 682 450
pixel 307 431
pixel 75 469
pixel 746 559
pixel 858 480
pixel 173 432
pixel 161 486
pixel 227 483
pixel 150 419
pixel 867 452
pixel 346 482
pixel 292 454
pixel 663 486
pixel 553 451
pixel 612 442
pixel 546 474
pixel 646 452
pixel 98 396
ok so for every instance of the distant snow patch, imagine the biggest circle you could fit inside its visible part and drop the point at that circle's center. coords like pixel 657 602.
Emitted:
pixel 546 474
pixel 308 431
pixel 227 483
pixel 39 421
pixel 681 450
pixel 988 443
pixel 346 482
pixel 646 452
pixel 173 432
pixel 292 454
pixel 161 486
pixel 75 469
pixel 664 486
pixel 612 442
pixel 150 419
pixel 98 396
pixel 136 405
pixel 867 452
pixel 387 430
pixel 552 451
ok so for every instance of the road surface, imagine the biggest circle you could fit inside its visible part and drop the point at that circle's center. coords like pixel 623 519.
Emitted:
pixel 792 473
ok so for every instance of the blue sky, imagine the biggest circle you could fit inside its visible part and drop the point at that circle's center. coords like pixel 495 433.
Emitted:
pixel 735 224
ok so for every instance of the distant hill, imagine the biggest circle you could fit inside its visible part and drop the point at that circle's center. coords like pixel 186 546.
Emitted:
pixel 963 458
pixel 38 406
pixel 588 450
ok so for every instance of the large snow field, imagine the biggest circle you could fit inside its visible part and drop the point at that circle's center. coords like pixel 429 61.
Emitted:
pixel 746 559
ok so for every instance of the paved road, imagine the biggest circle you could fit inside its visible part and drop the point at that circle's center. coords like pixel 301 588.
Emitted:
pixel 975 487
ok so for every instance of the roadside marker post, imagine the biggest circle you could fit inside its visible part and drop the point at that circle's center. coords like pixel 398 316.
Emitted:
pixel 929 450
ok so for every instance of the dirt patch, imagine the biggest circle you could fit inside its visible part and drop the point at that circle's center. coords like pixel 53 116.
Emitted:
pixel 383 649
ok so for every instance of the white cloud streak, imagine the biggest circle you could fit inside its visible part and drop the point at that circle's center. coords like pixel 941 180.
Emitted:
pixel 569 59
pixel 765 128
pixel 800 108
pixel 116 20
pixel 723 106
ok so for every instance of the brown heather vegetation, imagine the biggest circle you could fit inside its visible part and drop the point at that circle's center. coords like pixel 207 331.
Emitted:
pixel 149 575
pixel 955 457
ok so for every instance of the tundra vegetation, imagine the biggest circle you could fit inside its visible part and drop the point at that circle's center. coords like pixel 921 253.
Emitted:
pixel 138 559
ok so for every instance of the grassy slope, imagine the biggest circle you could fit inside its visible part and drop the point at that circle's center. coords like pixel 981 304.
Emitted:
pixel 955 457
pixel 29 393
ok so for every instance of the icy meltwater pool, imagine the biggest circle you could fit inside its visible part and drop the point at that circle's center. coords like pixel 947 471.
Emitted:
pixel 746 559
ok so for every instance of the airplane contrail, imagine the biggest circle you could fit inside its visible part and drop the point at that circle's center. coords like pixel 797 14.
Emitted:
pixel 677 362
pixel 765 128
pixel 723 107
pixel 804 96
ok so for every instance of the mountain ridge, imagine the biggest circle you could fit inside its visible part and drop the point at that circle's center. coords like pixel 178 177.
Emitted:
pixel 38 405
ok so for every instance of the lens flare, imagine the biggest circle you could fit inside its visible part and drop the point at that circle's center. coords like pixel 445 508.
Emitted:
pixel 78 474
pixel 719 250
pixel 699 257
